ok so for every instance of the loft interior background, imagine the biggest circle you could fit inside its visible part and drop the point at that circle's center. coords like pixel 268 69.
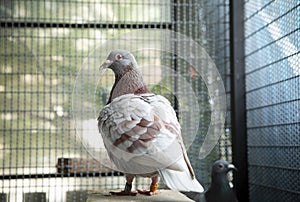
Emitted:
pixel 43 45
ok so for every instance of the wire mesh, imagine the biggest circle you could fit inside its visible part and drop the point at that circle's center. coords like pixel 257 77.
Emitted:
pixel 43 45
pixel 272 85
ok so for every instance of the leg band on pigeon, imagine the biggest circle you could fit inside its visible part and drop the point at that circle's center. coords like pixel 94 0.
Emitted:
pixel 128 187
pixel 153 187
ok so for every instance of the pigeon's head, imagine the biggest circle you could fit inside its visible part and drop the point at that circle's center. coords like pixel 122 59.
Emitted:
pixel 128 78
pixel 222 167
pixel 119 61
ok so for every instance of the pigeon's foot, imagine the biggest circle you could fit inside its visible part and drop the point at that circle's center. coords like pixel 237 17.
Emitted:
pixel 124 193
pixel 153 190
pixel 127 190
pixel 148 192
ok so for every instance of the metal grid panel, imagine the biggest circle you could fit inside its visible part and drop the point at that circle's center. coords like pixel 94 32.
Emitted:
pixel 273 99
pixel 214 36
pixel 43 45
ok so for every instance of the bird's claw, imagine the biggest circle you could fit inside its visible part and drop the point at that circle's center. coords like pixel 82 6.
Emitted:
pixel 148 192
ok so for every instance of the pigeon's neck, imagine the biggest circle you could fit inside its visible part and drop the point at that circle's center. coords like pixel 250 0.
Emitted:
pixel 220 190
pixel 220 182
pixel 127 82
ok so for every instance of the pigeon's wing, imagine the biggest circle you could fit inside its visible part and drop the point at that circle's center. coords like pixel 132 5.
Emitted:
pixel 176 180
pixel 163 107
pixel 140 133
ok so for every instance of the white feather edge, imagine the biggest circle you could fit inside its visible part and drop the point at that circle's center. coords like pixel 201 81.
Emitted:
pixel 180 181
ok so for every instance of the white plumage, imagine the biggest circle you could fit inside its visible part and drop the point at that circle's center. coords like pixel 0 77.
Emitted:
pixel 141 132
pixel 142 137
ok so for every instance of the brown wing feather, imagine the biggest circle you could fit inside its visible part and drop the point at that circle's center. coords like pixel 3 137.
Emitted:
pixel 131 123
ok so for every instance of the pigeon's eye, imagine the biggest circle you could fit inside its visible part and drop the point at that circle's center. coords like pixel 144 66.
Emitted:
pixel 221 166
pixel 119 57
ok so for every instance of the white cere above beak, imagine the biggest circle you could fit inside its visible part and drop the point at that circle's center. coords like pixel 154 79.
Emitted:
pixel 106 64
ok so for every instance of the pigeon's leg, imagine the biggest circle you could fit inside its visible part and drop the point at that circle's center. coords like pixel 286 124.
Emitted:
pixel 153 187
pixel 127 190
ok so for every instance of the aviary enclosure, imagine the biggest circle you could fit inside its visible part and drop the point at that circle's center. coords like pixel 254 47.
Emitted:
pixel 51 90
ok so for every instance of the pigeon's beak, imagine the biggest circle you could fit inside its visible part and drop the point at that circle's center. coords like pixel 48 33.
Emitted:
pixel 232 167
pixel 106 64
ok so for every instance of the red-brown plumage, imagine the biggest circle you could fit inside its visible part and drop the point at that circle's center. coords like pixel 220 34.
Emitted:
pixel 127 81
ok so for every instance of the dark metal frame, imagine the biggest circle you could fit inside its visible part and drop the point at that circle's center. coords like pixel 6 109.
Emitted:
pixel 55 175
pixel 238 99
pixel 86 25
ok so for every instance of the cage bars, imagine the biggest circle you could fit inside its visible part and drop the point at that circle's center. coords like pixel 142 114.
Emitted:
pixel 238 99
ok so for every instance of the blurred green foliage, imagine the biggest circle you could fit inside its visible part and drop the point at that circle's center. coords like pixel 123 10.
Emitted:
pixel 39 68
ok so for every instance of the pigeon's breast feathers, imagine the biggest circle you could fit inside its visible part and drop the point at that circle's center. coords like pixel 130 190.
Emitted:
pixel 142 130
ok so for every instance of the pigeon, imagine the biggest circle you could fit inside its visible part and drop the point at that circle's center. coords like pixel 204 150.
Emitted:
pixel 220 189
pixel 141 132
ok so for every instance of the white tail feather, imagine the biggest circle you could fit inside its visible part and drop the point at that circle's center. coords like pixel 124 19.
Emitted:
pixel 180 180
